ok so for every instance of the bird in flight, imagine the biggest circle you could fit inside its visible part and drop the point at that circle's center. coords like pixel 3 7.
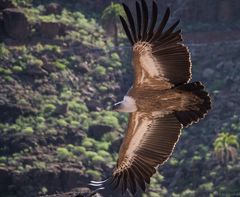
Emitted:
pixel 161 100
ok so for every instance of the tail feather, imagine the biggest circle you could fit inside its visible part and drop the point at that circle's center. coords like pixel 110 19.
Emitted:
pixel 192 116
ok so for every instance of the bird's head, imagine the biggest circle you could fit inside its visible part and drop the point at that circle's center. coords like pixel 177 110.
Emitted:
pixel 127 105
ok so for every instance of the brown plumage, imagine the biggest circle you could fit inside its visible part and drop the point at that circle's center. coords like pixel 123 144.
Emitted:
pixel 161 100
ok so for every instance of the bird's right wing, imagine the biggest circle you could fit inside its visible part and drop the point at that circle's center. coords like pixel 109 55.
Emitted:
pixel 159 58
pixel 149 142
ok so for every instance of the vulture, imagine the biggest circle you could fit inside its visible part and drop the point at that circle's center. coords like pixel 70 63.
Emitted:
pixel 161 101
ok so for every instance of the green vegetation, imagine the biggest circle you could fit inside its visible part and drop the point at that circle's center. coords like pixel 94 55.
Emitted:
pixel 4 52
pixel 50 100
pixel 110 18
pixel 225 147
pixel 28 130
pixel 94 174
pixel 64 154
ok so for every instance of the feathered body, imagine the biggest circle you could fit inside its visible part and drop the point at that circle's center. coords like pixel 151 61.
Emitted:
pixel 161 100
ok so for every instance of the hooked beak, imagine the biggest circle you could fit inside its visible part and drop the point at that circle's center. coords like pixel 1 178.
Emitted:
pixel 116 106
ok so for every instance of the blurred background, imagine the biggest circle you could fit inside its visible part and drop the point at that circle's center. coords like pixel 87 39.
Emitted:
pixel 64 63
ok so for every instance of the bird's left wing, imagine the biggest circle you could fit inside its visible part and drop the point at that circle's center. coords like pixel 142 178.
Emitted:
pixel 159 58
pixel 149 142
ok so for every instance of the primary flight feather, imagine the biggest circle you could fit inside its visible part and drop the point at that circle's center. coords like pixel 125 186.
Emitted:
pixel 161 100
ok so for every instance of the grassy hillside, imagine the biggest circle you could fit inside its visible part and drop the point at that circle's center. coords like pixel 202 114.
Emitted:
pixel 60 73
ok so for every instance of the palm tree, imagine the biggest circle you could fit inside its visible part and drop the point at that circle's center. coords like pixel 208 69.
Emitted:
pixel 110 18
pixel 225 147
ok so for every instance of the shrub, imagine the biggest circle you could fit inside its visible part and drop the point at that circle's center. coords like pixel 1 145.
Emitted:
pixel 4 52
pixel 3 159
pixel 66 95
pixel 173 161
pixel 103 88
pixel 62 122
pixel 49 108
pixel 196 158
pixel 105 117
pixel 40 119
pixel 97 160
pixel 60 65
pixel 22 101
pixel 35 61
pixel 78 150
pixel 100 70
pixel 77 107
pixel 8 78
pixel 39 164
pixel 110 120
pixel 44 191
pixel 17 69
pixel 88 142
pixel 52 131
pixel 70 147
pixel 206 187
pixel 5 71
pixel 102 145
pixel 28 130
pixel 90 154
pixel 94 173
pixel 64 154
pixel 188 193
pixel 115 57
pixel 103 153
pixel 74 124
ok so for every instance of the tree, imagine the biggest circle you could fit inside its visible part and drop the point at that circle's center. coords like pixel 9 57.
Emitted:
pixel 225 147
pixel 110 18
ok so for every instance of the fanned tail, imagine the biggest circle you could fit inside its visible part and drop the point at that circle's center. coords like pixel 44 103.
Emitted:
pixel 193 116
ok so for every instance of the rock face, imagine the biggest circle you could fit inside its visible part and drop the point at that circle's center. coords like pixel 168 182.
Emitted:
pixel 1 25
pixel 50 29
pixel 18 142
pixel 53 8
pixel 6 4
pixel 5 180
pixel 9 113
pixel 77 192
pixel 97 131
pixel 15 23
pixel 54 178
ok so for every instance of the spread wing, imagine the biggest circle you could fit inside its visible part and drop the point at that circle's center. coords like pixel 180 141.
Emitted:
pixel 149 141
pixel 159 58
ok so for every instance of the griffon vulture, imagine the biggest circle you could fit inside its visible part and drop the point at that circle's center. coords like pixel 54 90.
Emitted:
pixel 161 100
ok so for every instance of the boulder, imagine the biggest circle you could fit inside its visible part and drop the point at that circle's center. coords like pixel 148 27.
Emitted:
pixel 72 177
pixel 5 180
pixel 15 23
pixel 6 4
pixel 50 67
pixel 18 142
pixel 82 68
pixel 50 29
pixel 35 70
pixel 92 105
pixel 97 131
pixel 9 112
pixel 53 8
pixel 61 109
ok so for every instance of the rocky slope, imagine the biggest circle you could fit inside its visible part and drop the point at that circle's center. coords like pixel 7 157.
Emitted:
pixel 59 76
